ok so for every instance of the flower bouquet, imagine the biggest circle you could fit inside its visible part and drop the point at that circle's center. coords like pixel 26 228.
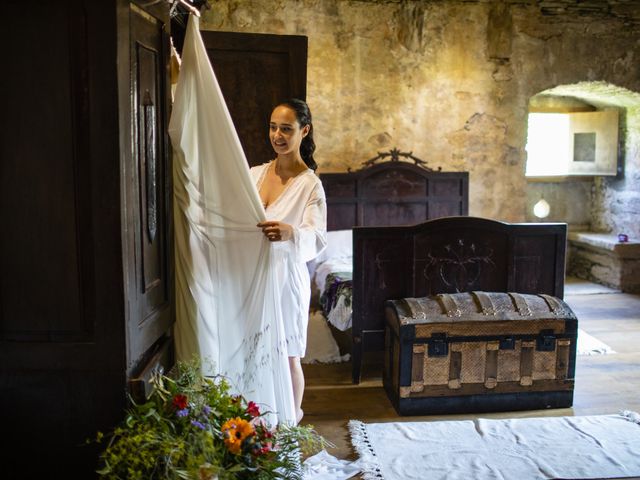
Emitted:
pixel 192 427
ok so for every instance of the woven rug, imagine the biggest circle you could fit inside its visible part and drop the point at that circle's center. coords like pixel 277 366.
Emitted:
pixel 599 446
pixel 322 347
pixel 589 345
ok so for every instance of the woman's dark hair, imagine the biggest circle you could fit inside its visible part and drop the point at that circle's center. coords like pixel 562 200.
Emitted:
pixel 303 114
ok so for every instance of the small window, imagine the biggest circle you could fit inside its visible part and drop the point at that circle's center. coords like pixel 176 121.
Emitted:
pixel 584 147
pixel 578 143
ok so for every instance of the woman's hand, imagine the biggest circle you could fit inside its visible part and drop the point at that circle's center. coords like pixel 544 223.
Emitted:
pixel 276 231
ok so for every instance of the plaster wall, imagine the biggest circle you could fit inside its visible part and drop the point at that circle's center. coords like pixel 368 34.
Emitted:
pixel 450 81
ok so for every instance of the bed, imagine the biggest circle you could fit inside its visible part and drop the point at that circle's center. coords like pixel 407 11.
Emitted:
pixel 376 222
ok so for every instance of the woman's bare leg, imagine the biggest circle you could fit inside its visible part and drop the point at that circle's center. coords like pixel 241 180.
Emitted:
pixel 297 378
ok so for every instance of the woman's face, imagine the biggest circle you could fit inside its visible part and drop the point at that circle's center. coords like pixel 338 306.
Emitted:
pixel 285 132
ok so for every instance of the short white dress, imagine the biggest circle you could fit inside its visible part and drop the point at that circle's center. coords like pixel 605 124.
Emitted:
pixel 302 205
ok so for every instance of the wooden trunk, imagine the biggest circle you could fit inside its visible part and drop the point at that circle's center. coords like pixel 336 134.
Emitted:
pixel 479 352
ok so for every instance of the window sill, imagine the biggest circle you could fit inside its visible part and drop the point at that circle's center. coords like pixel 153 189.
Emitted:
pixel 560 178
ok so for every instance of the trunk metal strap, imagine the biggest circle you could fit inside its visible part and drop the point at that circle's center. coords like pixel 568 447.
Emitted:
pixel 521 304
pixel 485 302
pixel 415 309
pixel 526 363
pixel 455 370
pixel 562 358
pixel 554 305
pixel 491 365
pixel 449 305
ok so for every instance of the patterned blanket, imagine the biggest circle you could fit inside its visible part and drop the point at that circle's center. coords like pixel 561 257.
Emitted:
pixel 335 300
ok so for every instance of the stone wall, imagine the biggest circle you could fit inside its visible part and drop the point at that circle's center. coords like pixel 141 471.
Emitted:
pixel 449 80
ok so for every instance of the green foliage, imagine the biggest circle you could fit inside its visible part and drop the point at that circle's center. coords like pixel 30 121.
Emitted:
pixel 193 427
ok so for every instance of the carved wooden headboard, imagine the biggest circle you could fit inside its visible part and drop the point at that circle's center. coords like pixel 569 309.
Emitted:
pixel 393 193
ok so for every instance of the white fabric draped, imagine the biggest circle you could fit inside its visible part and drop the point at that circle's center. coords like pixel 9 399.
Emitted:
pixel 226 290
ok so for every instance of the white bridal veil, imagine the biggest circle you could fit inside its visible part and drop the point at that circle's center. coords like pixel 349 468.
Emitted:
pixel 226 293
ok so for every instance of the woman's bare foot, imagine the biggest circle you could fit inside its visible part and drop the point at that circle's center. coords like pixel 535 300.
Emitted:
pixel 299 415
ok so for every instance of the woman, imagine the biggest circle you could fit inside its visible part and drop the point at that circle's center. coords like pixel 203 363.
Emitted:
pixel 295 208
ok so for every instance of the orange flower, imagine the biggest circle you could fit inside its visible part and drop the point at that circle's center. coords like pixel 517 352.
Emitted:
pixel 234 432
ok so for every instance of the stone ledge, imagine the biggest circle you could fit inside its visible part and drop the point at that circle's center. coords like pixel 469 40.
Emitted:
pixel 600 258
pixel 606 241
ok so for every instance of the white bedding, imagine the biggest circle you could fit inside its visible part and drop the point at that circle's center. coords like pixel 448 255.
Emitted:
pixel 331 266
pixel 336 258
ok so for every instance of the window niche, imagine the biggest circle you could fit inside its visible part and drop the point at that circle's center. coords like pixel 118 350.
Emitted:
pixel 567 137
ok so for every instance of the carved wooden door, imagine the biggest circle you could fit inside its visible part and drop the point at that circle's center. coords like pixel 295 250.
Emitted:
pixel 147 188
pixel 255 72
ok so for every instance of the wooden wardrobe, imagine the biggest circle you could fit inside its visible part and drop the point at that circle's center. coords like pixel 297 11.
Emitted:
pixel 86 253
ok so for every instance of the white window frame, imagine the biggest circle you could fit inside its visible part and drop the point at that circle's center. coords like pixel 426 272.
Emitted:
pixel 550 143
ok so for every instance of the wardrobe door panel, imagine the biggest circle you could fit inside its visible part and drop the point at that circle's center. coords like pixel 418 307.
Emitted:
pixel 147 189
pixel 45 246
pixel 62 341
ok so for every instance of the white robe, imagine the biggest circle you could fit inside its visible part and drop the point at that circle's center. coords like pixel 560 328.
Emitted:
pixel 302 205
pixel 228 308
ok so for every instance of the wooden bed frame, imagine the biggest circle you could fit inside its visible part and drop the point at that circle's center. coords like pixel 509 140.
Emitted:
pixel 448 255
